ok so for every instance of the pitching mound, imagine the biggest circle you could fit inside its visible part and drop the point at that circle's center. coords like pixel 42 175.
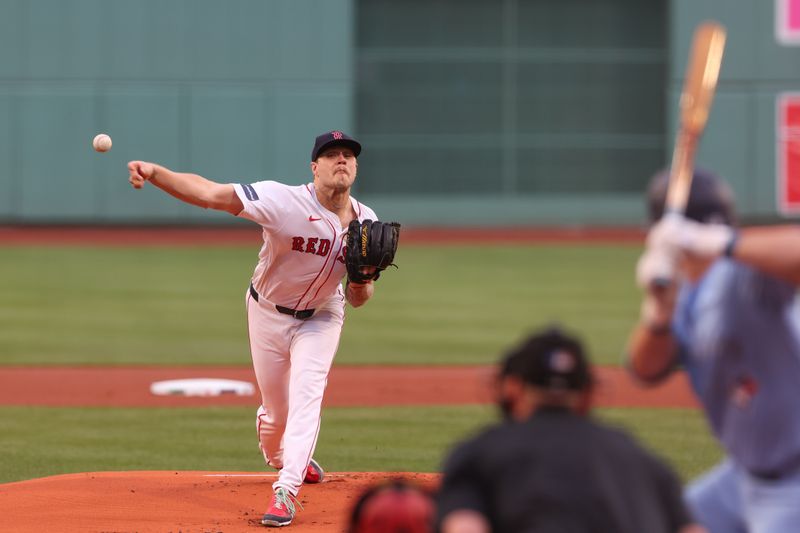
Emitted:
pixel 178 501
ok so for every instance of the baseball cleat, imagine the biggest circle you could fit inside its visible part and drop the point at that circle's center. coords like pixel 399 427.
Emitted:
pixel 314 473
pixel 281 509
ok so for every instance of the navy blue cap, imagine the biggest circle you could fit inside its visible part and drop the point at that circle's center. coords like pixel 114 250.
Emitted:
pixel 334 138
pixel 550 359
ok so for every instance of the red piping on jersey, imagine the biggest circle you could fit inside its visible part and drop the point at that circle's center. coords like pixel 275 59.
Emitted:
pixel 341 244
pixel 333 265
pixel 258 430
pixel 316 436
pixel 321 270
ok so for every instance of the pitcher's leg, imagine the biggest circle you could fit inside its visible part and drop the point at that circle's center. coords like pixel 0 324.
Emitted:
pixel 269 348
pixel 313 350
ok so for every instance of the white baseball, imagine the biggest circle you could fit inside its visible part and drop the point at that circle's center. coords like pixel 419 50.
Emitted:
pixel 101 142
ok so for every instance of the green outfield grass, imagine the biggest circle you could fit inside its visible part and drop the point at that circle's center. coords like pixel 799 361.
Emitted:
pixel 185 306
pixel 40 441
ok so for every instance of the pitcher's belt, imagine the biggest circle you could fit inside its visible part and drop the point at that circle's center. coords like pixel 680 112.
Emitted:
pixel 301 314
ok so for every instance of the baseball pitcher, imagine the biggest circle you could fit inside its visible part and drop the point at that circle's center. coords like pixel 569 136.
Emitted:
pixel 313 235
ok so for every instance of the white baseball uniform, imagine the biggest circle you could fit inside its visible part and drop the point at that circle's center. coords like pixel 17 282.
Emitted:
pixel 300 268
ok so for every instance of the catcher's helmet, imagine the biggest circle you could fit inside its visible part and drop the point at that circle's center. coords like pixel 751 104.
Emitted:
pixel 710 198
pixel 396 506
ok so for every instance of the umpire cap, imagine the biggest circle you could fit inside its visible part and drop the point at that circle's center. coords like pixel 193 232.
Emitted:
pixel 334 138
pixel 710 198
pixel 549 359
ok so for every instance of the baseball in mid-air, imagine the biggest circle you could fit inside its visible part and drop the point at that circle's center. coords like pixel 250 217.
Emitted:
pixel 101 142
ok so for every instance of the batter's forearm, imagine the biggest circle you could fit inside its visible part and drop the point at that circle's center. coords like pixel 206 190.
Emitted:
pixel 651 353
pixel 774 250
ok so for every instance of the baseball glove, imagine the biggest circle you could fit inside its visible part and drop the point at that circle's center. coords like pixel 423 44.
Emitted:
pixel 371 246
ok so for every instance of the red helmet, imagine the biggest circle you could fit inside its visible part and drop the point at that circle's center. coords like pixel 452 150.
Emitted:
pixel 395 507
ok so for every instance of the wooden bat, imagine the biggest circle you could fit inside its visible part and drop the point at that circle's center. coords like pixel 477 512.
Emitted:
pixel 699 86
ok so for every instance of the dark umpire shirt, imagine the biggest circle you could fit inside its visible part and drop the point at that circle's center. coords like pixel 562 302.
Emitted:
pixel 560 472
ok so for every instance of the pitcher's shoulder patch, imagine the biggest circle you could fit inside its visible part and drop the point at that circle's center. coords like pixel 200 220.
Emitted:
pixel 249 191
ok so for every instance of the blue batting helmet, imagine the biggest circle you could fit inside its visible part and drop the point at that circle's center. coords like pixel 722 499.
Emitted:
pixel 710 198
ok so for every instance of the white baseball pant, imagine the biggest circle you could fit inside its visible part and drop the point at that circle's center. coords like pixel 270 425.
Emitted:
pixel 291 359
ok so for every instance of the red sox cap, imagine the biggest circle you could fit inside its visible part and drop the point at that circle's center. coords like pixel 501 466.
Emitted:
pixel 334 138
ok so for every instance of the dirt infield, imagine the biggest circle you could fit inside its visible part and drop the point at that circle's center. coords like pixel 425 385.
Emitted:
pixel 228 501
pixel 232 502
pixel 347 386
pixel 162 502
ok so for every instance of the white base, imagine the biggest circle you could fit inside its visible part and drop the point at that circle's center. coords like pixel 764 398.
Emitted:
pixel 202 387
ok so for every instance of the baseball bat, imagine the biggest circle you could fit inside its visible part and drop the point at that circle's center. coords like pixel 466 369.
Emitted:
pixel 699 86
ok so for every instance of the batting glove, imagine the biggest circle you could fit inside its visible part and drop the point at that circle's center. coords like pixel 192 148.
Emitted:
pixel 656 274
pixel 701 240
pixel 657 307
pixel 657 266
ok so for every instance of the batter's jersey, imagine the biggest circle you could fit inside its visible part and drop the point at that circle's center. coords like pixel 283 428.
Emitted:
pixel 739 340
pixel 301 263
pixel 561 473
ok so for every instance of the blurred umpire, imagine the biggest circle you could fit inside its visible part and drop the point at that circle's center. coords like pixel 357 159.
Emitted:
pixel 722 303
pixel 549 467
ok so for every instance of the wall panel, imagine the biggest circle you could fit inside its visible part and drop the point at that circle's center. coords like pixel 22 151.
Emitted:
pixel 230 89
pixel 9 183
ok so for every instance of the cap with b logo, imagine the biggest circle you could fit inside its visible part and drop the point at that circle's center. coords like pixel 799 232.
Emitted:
pixel 334 138
pixel 550 359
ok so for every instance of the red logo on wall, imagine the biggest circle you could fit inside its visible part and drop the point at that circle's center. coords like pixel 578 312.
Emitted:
pixel 787 21
pixel 788 152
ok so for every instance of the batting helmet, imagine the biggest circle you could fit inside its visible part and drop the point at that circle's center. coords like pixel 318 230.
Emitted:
pixel 393 507
pixel 710 198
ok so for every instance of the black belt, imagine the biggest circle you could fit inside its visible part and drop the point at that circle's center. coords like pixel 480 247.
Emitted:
pixel 301 314
pixel 789 469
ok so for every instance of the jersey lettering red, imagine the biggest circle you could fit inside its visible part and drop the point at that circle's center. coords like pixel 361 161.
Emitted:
pixel 324 247
pixel 313 245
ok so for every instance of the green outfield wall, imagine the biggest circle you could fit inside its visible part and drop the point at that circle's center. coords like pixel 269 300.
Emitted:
pixel 472 112
pixel 231 89
pixel 745 139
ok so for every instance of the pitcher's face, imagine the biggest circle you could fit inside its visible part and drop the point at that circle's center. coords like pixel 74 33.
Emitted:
pixel 335 168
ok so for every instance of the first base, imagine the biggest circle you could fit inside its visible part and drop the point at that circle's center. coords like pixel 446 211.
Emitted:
pixel 202 387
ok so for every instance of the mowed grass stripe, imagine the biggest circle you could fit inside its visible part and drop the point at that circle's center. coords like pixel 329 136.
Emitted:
pixel 40 441
pixel 185 306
